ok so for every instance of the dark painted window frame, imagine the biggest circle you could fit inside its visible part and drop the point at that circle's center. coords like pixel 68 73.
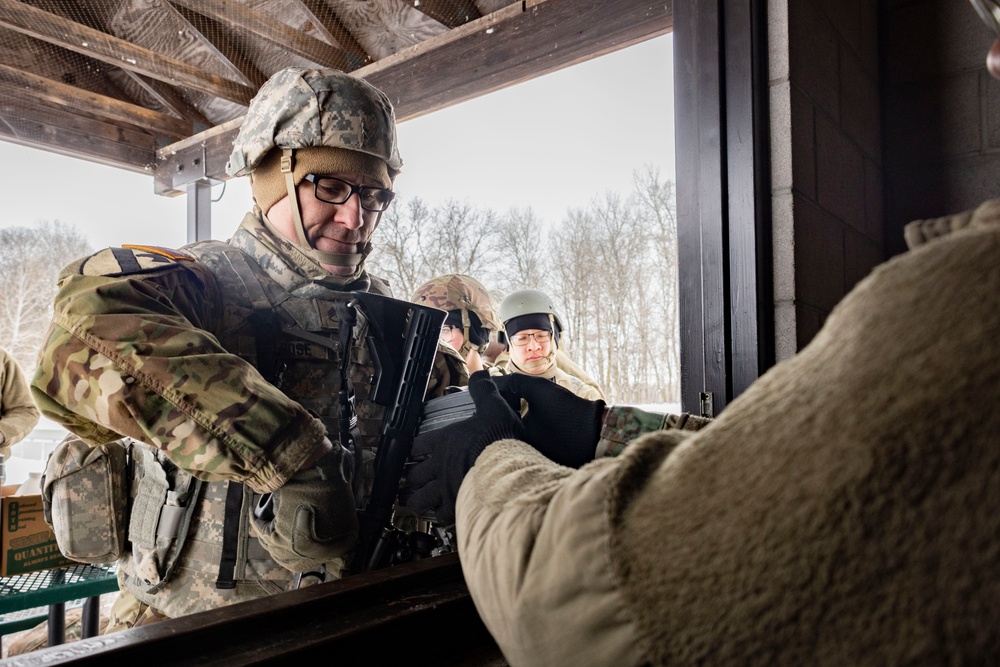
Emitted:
pixel 723 199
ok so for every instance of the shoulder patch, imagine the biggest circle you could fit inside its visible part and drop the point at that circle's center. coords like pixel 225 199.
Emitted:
pixel 132 259
pixel 169 253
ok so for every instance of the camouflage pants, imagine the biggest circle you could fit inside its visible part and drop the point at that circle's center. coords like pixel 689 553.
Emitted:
pixel 129 612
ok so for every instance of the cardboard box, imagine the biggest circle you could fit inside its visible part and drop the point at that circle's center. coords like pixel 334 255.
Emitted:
pixel 27 542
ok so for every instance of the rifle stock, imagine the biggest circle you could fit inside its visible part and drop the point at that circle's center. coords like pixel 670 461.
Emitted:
pixel 402 337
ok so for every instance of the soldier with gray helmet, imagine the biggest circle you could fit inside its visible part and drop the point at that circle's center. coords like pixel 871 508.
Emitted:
pixel 217 366
pixel 533 327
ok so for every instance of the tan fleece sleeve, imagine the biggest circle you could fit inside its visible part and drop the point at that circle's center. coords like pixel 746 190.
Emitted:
pixel 533 540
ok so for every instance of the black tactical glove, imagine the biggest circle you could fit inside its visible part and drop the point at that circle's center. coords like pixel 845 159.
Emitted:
pixel 444 456
pixel 559 424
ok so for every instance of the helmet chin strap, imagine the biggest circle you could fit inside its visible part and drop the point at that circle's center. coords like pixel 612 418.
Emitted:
pixel 352 260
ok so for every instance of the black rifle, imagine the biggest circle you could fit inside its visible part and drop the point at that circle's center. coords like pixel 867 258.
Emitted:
pixel 402 338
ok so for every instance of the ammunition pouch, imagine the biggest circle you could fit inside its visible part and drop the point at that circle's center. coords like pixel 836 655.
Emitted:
pixel 85 499
pixel 163 500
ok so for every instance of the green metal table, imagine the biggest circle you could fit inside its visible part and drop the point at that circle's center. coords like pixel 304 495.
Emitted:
pixel 53 589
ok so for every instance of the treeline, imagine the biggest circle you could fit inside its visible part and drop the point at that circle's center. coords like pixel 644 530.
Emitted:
pixel 611 267
pixel 31 258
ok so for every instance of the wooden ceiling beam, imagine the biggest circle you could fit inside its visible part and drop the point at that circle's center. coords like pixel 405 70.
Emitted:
pixel 514 44
pixel 6 127
pixel 511 45
pixel 333 29
pixel 51 128
pixel 85 40
pixel 56 92
pixel 241 18
pixel 451 13
pixel 239 66
pixel 169 98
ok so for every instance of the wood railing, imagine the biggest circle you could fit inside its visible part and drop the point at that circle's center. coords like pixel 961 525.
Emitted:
pixel 418 613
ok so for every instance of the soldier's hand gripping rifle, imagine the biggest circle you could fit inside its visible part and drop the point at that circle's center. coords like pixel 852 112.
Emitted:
pixel 403 338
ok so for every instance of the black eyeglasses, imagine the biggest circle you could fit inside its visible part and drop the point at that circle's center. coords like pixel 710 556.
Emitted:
pixel 335 191
pixel 521 339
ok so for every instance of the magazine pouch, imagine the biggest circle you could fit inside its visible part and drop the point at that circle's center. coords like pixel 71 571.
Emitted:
pixel 163 501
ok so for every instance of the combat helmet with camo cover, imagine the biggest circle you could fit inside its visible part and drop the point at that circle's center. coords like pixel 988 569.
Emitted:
pixel 313 121
pixel 462 293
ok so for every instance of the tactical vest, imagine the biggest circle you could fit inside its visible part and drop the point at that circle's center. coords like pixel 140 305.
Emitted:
pixel 208 555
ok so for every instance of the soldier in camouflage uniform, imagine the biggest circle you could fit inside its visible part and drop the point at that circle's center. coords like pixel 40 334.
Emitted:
pixel 532 327
pixel 472 321
pixel 221 362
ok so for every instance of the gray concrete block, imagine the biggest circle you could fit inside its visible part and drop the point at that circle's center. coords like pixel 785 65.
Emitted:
pixel 803 136
pixel 911 43
pixel 781 135
pixel 819 256
pixel 839 174
pixel 874 207
pixel 777 40
pixel 813 49
pixel 845 15
pixel 783 246
pixel 859 105
pixel 860 257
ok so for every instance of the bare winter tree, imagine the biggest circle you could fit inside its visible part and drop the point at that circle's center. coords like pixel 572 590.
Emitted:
pixel 660 223
pixel 522 255
pixel 415 243
pixel 398 255
pixel 32 259
pixel 575 274
pixel 464 239
pixel 615 277
pixel 611 267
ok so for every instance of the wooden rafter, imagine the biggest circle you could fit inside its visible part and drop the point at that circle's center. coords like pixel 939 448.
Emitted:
pixel 70 97
pixel 239 66
pixel 169 98
pixel 73 133
pixel 241 18
pixel 99 45
pixel 506 47
pixel 6 127
pixel 333 29
pixel 451 13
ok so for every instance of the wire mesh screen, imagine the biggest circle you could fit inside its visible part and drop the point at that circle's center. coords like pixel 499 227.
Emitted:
pixel 117 79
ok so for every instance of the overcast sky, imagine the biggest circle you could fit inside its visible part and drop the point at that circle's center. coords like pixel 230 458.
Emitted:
pixel 551 143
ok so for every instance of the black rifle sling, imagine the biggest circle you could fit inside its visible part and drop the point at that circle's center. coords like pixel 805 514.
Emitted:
pixel 230 536
pixel 350 434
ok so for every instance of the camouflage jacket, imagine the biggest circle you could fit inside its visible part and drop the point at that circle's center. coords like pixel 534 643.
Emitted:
pixel 624 423
pixel 134 350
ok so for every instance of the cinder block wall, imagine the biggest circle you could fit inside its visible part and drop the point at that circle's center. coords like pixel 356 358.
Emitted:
pixel 882 112
pixel 941 112
pixel 826 158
